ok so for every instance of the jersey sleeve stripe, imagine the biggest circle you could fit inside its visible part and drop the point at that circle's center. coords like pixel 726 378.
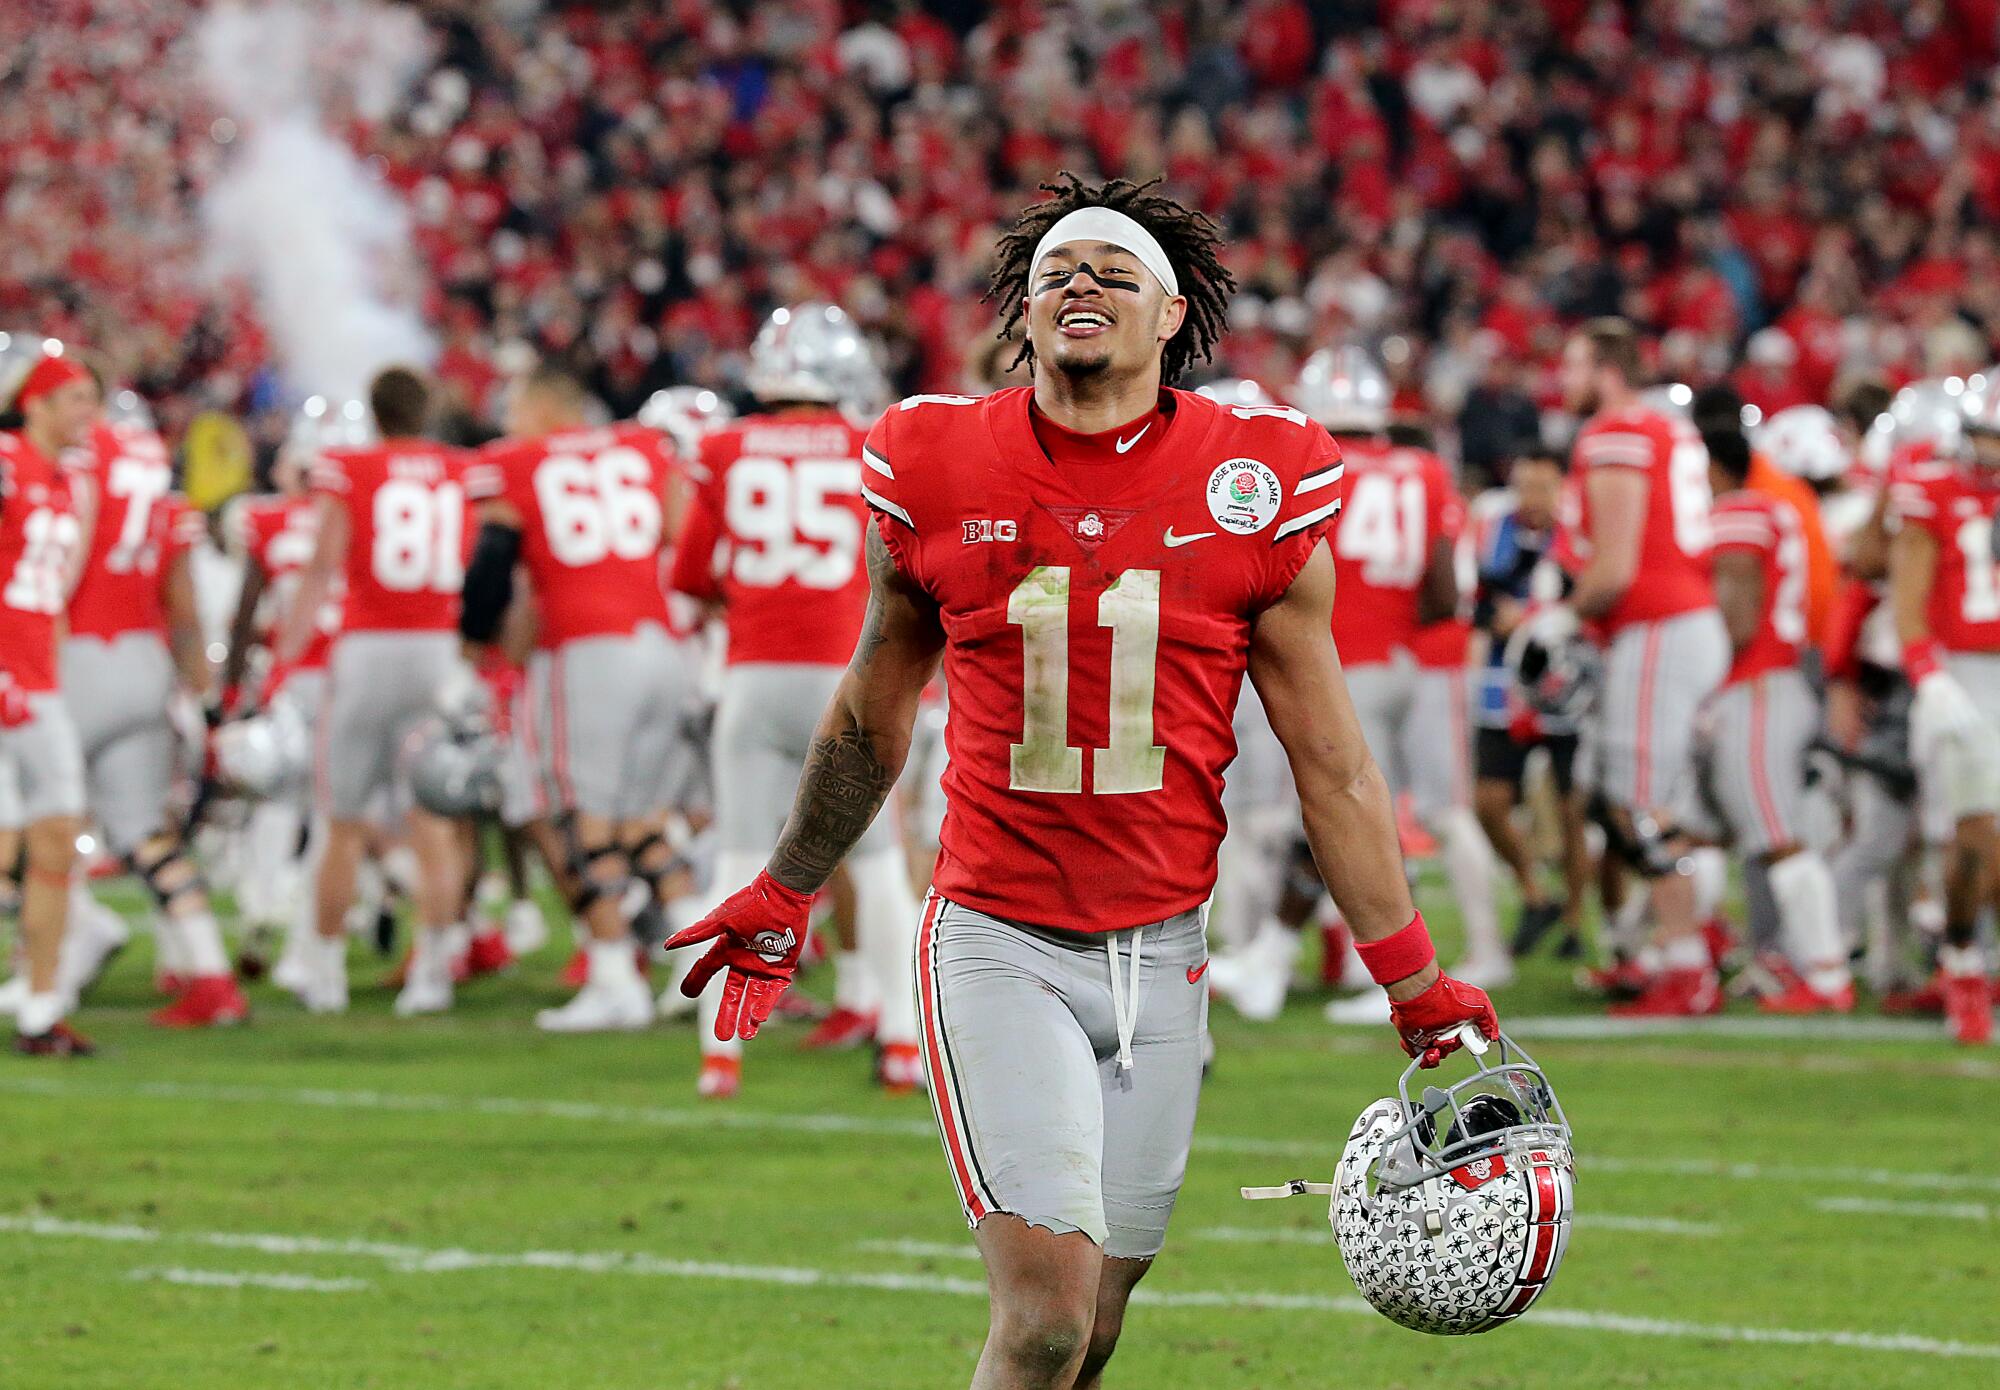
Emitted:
pixel 877 462
pixel 1626 450
pixel 883 504
pixel 1311 518
pixel 1313 482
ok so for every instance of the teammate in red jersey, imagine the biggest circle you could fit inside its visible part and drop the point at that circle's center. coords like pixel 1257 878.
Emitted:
pixel 392 523
pixel 1643 538
pixel 42 541
pixel 1099 560
pixel 774 540
pixel 1944 589
pixel 1755 731
pixel 584 512
pixel 134 648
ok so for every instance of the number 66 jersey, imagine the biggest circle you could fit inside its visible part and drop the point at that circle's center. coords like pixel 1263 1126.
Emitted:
pixel 1097 597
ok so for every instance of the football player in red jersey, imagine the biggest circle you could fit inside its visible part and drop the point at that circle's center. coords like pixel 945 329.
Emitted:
pixel 584 512
pixel 392 522
pixel 1944 589
pixel 134 648
pixel 1099 560
pixel 1641 482
pixel 41 548
pixel 1754 732
pixel 774 540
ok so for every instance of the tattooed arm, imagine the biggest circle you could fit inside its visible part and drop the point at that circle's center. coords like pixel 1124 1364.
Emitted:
pixel 864 736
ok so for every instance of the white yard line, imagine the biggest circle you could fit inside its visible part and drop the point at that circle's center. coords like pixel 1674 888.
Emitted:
pixel 1870 1206
pixel 428 1260
pixel 245 1279
pixel 712 1118
pixel 1598 1027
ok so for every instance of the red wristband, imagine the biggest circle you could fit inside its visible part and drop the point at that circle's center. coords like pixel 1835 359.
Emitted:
pixel 1400 956
pixel 1922 658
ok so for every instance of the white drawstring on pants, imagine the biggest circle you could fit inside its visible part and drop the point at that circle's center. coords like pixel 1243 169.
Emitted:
pixel 1124 1000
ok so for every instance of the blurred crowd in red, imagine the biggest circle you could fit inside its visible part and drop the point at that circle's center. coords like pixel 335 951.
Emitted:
pixel 1782 190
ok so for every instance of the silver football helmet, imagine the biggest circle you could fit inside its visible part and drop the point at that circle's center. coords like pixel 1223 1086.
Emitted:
pixel 685 414
pixel 1236 390
pixel 1675 399
pixel 267 753
pixel 1924 412
pixel 457 775
pixel 127 407
pixel 814 352
pixel 1804 441
pixel 323 423
pixel 1344 390
pixel 1452 1211
pixel 1555 667
pixel 19 352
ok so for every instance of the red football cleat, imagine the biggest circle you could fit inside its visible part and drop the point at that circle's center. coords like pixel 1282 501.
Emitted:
pixel 1968 1009
pixel 171 984
pixel 840 1030
pixel 210 1001
pixel 487 955
pixel 721 1078
pixel 60 1041
pixel 1927 998
pixel 1721 940
pixel 1798 997
pixel 1675 994
pixel 1624 980
pixel 576 974
pixel 900 1068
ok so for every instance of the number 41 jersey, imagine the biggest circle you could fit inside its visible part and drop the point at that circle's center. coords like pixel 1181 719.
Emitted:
pixel 1097 622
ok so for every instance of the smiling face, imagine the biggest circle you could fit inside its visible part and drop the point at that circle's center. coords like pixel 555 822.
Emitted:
pixel 62 417
pixel 1094 310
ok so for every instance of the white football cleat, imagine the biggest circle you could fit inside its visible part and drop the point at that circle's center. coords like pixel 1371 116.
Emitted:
pixel 95 934
pixel 601 1008
pixel 527 931
pixel 1246 981
pixel 425 992
pixel 322 976
pixel 1484 971
pixel 1370 1006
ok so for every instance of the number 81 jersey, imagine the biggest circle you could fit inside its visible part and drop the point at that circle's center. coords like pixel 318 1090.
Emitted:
pixel 592 509
pixel 407 537
pixel 1097 621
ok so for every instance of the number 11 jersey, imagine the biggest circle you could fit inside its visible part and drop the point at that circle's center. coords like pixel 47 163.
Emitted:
pixel 1097 621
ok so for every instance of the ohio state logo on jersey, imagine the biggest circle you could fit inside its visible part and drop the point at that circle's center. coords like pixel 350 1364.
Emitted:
pixel 1244 496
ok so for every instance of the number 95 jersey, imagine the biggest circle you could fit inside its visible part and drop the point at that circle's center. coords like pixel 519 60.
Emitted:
pixel 1097 621
pixel 775 534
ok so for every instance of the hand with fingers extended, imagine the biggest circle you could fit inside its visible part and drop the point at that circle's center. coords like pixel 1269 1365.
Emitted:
pixel 758 934
pixel 1430 1024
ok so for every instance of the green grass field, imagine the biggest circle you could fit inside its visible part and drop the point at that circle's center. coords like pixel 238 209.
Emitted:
pixel 461 1202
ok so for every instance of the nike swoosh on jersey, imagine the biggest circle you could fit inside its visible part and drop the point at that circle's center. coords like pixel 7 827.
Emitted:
pixel 1125 444
pixel 1196 972
pixel 1175 542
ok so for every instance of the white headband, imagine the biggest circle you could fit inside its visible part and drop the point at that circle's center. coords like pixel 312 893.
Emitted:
pixel 1114 228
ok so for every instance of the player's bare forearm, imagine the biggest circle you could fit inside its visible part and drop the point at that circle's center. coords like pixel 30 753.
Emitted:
pixel 243 627
pixel 1618 520
pixel 1349 819
pixel 864 737
pixel 184 635
pixel 1912 571
pixel 1739 593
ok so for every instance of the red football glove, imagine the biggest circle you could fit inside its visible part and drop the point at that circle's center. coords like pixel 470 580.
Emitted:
pixel 762 930
pixel 1430 1022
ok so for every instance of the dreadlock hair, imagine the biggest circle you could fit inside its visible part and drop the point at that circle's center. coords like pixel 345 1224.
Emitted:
pixel 1188 237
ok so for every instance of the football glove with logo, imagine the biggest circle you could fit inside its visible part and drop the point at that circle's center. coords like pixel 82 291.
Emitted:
pixel 1429 1024
pixel 758 934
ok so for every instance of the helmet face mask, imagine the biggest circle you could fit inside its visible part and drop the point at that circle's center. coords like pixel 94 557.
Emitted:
pixel 1452 1210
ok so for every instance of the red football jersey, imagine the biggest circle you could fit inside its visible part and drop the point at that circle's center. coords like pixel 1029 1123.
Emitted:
pixel 140 524
pixel 592 504
pixel 280 534
pixel 1673 573
pixel 39 539
pixel 1770 529
pixel 1097 622
pixel 1955 504
pixel 1397 502
pixel 775 534
pixel 407 538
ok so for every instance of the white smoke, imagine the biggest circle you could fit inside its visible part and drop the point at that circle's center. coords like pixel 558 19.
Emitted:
pixel 296 212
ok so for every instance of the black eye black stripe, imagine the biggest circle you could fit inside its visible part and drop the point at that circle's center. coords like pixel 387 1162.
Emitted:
pixel 1111 279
